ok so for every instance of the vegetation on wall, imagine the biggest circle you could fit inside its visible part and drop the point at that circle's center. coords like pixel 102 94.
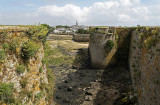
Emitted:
pixel 29 49
pixel 5 46
pixel 20 69
pixel 149 42
pixel 23 43
pixel 6 93
pixel 23 82
pixel 109 45
pixel 2 56
pixel 13 45
pixel 148 36
pixel 98 29
pixel 3 36
pixel 50 28
pixel 82 31
pixel 38 33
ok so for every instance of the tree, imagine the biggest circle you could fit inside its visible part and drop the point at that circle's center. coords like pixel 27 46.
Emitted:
pixel 50 28
pixel 82 31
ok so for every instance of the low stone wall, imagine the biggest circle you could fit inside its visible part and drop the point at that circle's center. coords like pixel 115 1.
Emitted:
pixel 51 37
pixel 62 33
pixel 81 37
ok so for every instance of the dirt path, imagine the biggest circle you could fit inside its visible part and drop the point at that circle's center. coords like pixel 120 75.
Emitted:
pixel 77 84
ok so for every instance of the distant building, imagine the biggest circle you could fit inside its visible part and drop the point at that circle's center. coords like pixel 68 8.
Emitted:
pixel 76 23
pixel 56 31
pixel 138 25
pixel 72 29
pixel 76 27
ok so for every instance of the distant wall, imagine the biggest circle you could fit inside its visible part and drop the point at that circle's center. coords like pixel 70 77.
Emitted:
pixel 81 37
pixel 51 37
pixel 62 33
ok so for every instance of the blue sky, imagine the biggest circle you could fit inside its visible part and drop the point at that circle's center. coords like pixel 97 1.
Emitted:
pixel 87 12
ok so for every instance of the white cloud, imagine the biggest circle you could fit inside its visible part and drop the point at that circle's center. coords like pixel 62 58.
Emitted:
pixel 124 18
pixel 68 11
pixel 100 13
pixel 105 5
pixel 113 12
pixel 137 1
pixel 125 2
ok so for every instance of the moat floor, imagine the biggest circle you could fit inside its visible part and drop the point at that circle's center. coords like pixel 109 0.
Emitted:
pixel 81 85
pixel 91 87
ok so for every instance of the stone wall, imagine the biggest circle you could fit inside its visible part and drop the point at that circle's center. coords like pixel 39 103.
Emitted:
pixel 27 85
pixel 100 58
pixel 144 63
pixel 137 48
pixel 123 37
pixel 81 37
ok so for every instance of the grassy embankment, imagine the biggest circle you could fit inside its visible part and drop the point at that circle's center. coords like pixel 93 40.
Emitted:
pixel 65 52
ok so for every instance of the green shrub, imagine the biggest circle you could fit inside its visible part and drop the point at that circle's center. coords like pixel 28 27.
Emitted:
pixel 6 92
pixel 149 42
pixel 40 69
pixel 49 27
pixel 29 94
pixel 42 86
pixel 116 36
pixel 147 28
pixel 20 69
pixel 82 31
pixel 44 61
pixel 109 45
pixel 2 56
pixel 23 82
pixel 38 33
pixel 28 69
pixel 13 45
pixel 42 34
pixel 3 37
pixel 141 36
pixel 5 46
pixel 39 95
pixel 29 49
pixel 23 94
pixel 155 32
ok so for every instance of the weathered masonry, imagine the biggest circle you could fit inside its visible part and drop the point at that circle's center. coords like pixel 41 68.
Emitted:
pixel 135 47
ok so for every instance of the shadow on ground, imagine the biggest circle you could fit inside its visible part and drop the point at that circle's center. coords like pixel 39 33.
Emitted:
pixel 116 84
pixel 81 85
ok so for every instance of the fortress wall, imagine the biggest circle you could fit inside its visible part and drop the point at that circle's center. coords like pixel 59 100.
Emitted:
pixel 138 48
pixel 81 37
pixel 100 58
pixel 123 37
pixel 28 81
pixel 144 63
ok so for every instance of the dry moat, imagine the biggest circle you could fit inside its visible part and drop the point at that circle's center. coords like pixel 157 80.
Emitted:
pixel 76 83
